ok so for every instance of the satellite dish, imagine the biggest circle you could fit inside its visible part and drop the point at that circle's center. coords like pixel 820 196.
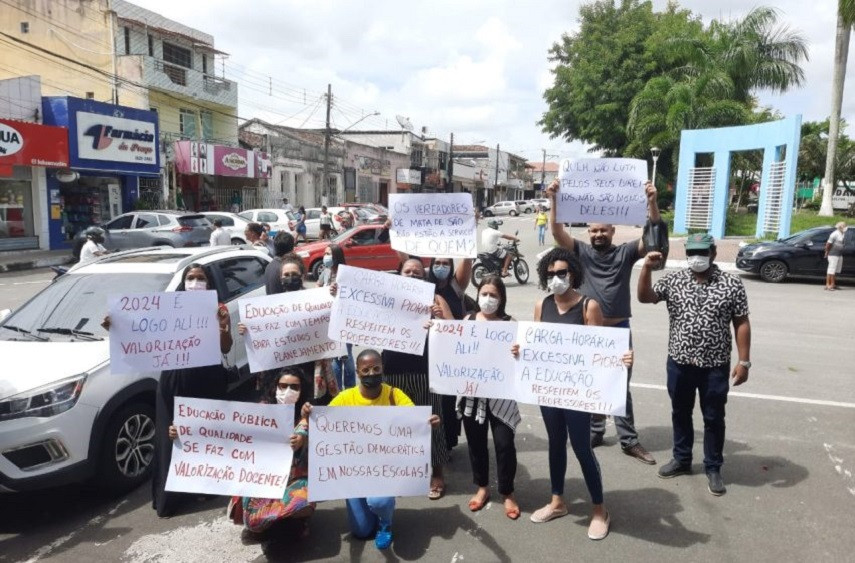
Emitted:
pixel 404 122
pixel 66 176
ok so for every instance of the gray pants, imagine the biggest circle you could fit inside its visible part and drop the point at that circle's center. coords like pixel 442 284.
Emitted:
pixel 625 425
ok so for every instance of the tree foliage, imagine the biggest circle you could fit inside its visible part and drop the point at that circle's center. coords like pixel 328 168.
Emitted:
pixel 813 151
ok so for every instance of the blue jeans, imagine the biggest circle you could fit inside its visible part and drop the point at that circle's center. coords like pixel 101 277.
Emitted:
pixel 559 424
pixel 366 515
pixel 541 234
pixel 712 385
pixel 347 379
pixel 624 425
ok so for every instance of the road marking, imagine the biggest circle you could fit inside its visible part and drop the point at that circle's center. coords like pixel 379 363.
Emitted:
pixel 838 466
pixel 24 283
pixel 59 542
pixel 781 398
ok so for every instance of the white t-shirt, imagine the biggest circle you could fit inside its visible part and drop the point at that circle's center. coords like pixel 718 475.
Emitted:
pixel 836 242
pixel 220 238
pixel 490 239
pixel 87 253
pixel 288 207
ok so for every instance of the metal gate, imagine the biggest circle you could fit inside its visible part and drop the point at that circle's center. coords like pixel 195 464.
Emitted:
pixel 700 202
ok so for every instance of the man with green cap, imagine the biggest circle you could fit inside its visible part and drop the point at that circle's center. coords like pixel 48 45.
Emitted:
pixel 702 303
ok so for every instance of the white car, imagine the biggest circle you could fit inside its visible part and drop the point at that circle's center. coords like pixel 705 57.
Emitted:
pixel 525 206
pixel 64 417
pixel 233 224
pixel 543 202
pixel 502 208
pixel 313 221
pixel 278 219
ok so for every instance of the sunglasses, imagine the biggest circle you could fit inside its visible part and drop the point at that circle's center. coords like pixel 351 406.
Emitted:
pixel 560 273
pixel 292 386
pixel 287 276
pixel 373 370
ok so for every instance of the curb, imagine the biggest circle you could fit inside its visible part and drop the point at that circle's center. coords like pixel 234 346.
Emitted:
pixel 25 264
pixel 680 264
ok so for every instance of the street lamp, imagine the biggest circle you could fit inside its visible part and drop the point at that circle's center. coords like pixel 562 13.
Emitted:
pixel 358 120
pixel 655 152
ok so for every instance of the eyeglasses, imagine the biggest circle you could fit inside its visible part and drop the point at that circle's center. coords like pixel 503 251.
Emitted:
pixel 372 370
pixel 560 273
pixel 292 386
pixel 697 253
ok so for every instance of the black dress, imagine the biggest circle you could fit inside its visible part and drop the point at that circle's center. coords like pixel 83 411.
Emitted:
pixel 206 382
pixel 453 295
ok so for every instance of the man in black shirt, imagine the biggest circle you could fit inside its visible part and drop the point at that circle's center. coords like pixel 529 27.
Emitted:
pixel 283 244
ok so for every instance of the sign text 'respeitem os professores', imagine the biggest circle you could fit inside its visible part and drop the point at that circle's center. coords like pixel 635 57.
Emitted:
pixel 433 225
pixel 602 190
pixel 380 310
pixel 160 331
pixel 288 328
pixel 357 452
pixel 231 448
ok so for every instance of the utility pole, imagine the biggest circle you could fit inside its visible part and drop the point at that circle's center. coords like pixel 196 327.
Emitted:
pixel 543 172
pixel 325 187
pixel 450 186
pixel 496 181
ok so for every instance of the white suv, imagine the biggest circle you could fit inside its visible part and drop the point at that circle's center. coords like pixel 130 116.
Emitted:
pixel 63 416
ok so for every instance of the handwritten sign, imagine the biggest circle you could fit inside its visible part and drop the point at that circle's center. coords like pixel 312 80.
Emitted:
pixel 472 358
pixel 381 453
pixel 573 367
pixel 602 190
pixel 380 310
pixel 159 331
pixel 231 448
pixel 288 328
pixel 433 225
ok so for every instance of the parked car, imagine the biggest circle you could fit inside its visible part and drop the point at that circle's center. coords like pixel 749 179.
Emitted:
pixel 543 202
pixel 800 254
pixel 369 216
pixel 313 221
pixel 380 209
pixel 525 206
pixel 233 223
pixel 364 246
pixel 139 229
pixel 64 417
pixel 502 208
pixel 278 219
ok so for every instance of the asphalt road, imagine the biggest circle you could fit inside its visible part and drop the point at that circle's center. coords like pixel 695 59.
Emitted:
pixel 789 464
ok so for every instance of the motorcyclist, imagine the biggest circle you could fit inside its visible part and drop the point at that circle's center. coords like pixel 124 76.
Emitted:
pixel 94 247
pixel 490 238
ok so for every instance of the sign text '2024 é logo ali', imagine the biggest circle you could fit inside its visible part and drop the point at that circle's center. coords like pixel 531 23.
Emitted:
pixel 103 135
pixel 10 140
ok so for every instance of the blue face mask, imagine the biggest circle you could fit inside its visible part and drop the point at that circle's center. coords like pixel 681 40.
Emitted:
pixel 441 272
pixel 327 260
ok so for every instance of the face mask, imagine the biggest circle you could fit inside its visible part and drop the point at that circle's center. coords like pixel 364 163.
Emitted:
pixel 327 260
pixel 698 263
pixel 291 283
pixel 559 286
pixel 488 304
pixel 287 396
pixel 195 285
pixel 441 272
pixel 371 381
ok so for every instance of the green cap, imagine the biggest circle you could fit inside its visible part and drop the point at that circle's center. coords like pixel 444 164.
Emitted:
pixel 700 241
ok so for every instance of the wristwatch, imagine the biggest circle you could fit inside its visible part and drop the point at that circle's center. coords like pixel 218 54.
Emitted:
pixel 745 363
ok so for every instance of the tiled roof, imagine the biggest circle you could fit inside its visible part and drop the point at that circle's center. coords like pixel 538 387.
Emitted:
pixel 550 166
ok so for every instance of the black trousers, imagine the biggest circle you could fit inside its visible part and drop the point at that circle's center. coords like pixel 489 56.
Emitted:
pixel 506 452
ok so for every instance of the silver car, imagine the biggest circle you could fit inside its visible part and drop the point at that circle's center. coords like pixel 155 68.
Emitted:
pixel 502 208
pixel 139 229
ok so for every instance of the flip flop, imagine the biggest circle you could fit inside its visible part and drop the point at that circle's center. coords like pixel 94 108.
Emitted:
pixel 547 513
pixel 475 506
pixel 436 492
pixel 512 513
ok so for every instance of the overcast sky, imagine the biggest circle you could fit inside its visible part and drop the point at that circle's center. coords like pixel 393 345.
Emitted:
pixel 477 68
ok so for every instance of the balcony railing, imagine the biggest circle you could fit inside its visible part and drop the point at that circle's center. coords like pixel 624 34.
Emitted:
pixel 177 74
pixel 213 85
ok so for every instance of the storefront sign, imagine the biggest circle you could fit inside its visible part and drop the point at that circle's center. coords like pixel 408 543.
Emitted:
pixel 409 176
pixel 192 157
pixel 116 139
pixel 31 144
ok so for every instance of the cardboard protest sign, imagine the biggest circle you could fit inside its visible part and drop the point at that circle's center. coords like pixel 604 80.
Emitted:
pixel 574 367
pixel 472 358
pixel 357 452
pixel 159 331
pixel 231 448
pixel 602 190
pixel 433 225
pixel 380 310
pixel 288 328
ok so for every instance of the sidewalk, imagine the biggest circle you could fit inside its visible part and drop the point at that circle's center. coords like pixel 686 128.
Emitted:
pixel 29 259
pixel 726 248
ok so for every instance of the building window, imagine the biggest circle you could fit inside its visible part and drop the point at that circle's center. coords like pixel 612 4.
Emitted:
pixel 187 123
pixel 127 41
pixel 177 55
pixel 25 27
pixel 204 64
pixel 150 45
pixel 207 119
pixel 90 95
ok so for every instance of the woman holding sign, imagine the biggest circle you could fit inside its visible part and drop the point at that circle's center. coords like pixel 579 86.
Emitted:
pixel 345 372
pixel 560 272
pixel 502 415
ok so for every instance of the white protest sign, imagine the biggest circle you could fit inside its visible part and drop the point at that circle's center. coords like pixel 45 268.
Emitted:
pixel 159 331
pixel 231 448
pixel 602 190
pixel 288 328
pixel 573 367
pixel 381 310
pixel 472 358
pixel 384 452
pixel 433 225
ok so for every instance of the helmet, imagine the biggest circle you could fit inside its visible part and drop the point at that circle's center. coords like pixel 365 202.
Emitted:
pixel 94 233
pixel 493 224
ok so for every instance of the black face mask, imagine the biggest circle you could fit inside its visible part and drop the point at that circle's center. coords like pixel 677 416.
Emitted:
pixel 371 381
pixel 291 283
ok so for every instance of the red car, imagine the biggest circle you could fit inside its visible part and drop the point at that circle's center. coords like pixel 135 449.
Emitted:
pixel 364 246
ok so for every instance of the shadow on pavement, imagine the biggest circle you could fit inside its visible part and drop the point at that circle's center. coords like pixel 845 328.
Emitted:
pixel 654 519
pixel 759 471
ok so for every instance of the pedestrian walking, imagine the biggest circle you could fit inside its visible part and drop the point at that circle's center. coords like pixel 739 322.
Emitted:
pixel 541 221
pixel 219 236
pixel 325 223
pixel 300 224
pixel 834 255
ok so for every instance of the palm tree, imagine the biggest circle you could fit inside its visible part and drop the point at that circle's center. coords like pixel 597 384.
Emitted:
pixel 845 21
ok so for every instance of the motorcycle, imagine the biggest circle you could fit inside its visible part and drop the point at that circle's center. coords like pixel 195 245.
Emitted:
pixel 487 263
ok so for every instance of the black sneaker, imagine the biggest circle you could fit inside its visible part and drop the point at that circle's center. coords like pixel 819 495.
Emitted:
pixel 596 440
pixel 716 483
pixel 674 468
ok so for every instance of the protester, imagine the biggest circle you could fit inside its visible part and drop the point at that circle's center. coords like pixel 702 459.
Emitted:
pixel 253 233
pixel 373 515
pixel 561 273
pixel 502 415
pixel 541 220
pixel 834 255
pixel 283 244
pixel 287 206
pixel 94 247
pixel 300 224
pixel 266 239
pixel 702 303
pixel 260 514
pixel 219 236
pixel 325 223
pixel 205 382
pixel 490 238
pixel 608 269
pixel 343 367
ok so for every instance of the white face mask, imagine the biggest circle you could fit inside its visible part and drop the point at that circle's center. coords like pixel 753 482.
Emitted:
pixel 559 286
pixel 287 396
pixel 195 285
pixel 698 263
pixel 488 304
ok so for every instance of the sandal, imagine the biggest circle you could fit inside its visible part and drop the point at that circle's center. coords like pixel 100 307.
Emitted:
pixel 512 513
pixel 475 505
pixel 547 513
pixel 437 491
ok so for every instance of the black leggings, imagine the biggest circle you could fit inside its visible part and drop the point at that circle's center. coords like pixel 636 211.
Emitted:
pixel 506 452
